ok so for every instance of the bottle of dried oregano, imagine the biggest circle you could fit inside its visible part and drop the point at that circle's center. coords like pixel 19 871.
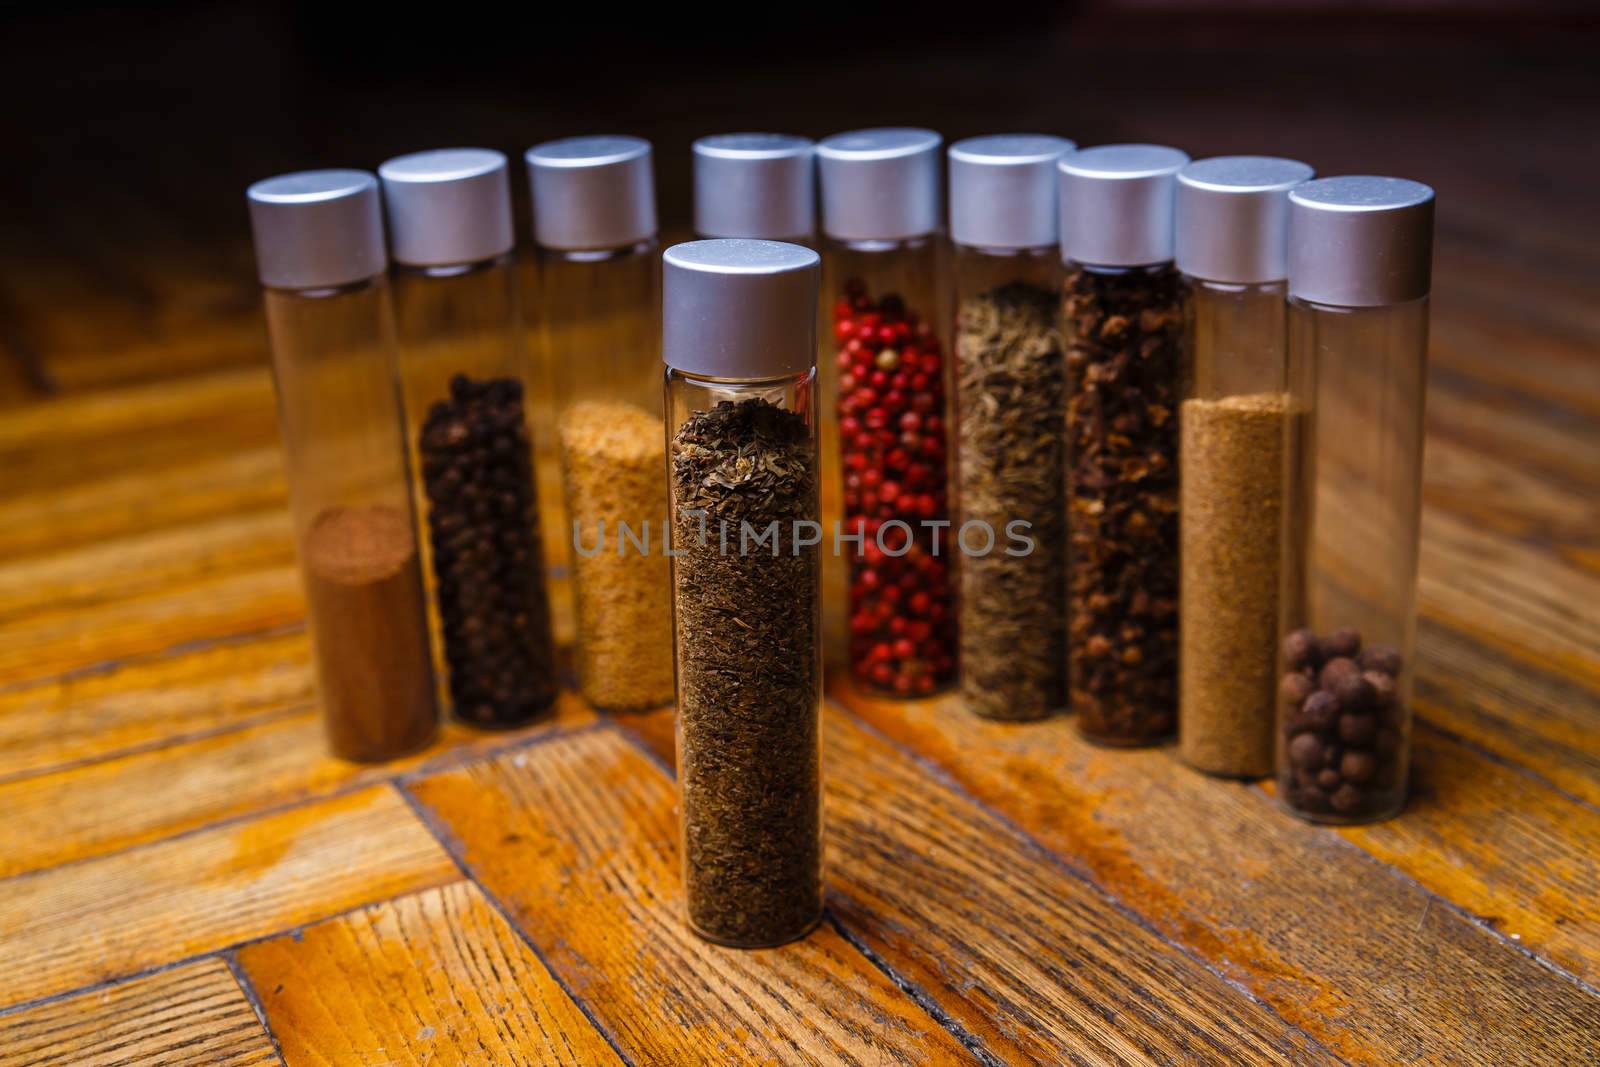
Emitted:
pixel 739 343
pixel 1123 317
pixel 1360 266
pixel 594 218
pixel 1232 222
pixel 1009 397
pixel 465 379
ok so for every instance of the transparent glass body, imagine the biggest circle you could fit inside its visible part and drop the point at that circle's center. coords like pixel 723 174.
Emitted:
pixel 1126 367
pixel 889 469
pixel 1350 534
pixel 349 493
pixel 465 380
pixel 602 325
pixel 742 466
pixel 1231 429
pixel 1008 393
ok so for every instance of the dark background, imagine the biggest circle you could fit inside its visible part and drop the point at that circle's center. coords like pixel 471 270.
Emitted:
pixel 131 133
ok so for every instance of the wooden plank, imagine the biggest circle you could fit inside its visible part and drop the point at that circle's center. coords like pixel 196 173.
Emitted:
pixel 190 1014
pixel 119 915
pixel 575 837
pixel 84 810
pixel 1358 956
pixel 130 705
pixel 437 976
pixel 1502 845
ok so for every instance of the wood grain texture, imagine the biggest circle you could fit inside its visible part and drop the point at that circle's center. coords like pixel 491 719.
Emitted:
pixel 576 836
pixel 107 918
pixel 190 1014
pixel 83 811
pixel 192 691
pixel 436 977
pixel 1358 956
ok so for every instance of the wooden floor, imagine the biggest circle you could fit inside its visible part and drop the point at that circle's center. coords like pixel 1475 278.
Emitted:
pixel 186 877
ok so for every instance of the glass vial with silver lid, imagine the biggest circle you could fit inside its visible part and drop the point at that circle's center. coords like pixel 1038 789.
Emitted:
pixel 738 340
pixel 1008 398
pixel 1232 225
pixel 755 185
pixel 320 257
pixel 1360 263
pixel 885 372
pixel 594 216
pixel 1123 320
pixel 465 382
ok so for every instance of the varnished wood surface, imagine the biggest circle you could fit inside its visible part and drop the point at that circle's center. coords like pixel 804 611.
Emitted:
pixel 186 876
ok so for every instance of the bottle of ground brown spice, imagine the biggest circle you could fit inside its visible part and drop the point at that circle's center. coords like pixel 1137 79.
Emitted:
pixel 1232 222
pixel 739 343
pixel 464 377
pixel 320 254
pixel 1123 320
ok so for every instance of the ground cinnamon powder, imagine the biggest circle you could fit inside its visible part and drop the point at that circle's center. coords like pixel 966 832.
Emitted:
pixel 364 595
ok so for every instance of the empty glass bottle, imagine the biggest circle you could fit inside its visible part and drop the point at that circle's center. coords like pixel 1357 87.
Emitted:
pixel 1360 261
pixel 320 256
pixel 463 375
pixel 594 218
pixel 880 215
pixel 742 466
pixel 1008 391
pixel 1125 379
pixel 1232 221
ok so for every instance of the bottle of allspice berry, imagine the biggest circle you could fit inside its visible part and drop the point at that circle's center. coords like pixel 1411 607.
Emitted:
pixel 1360 268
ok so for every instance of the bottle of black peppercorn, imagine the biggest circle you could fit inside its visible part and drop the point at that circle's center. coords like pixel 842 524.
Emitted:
pixel 464 377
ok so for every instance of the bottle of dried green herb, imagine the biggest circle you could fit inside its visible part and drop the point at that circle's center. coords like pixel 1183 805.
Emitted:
pixel 1232 226
pixel 739 343
pixel 1010 443
pixel 1123 315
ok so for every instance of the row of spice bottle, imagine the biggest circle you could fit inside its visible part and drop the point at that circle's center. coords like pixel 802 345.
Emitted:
pixel 1081 385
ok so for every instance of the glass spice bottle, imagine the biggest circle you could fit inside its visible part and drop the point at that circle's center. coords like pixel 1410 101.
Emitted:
pixel 464 383
pixel 594 218
pixel 320 256
pixel 760 185
pixel 1360 261
pixel 880 217
pixel 1008 392
pixel 738 339
pixel 1125 372
pixel 1232 222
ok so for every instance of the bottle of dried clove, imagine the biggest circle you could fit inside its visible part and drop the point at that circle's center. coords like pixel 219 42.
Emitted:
pixel 1232 221
pixel 320 256
pixel 756 185
pixel 1125 378
pixel 464 378
pixel 738 339
pixel 594 218
pixel 1360 259
pixel 1009 397
pixel 886 370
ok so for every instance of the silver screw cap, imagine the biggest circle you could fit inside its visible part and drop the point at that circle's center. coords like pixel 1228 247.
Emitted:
pixel 1360 241
pixel 592 193
pixel 1233 218
pixel 740 308
pixel 448 206
pixel 317 228
pixel 1003 190
pixel 759 185
pixel 879 185
pixel 1117 204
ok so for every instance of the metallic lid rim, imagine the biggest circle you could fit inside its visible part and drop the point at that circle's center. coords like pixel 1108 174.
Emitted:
pixel 1073 163
pixel 1300 195
pixel 393 170
pixel 534 156
pixel 799 146
pixel 261 194
pixel 927 141
pixel 963 154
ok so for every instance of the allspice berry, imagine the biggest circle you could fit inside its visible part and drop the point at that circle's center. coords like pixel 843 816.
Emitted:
pixel 1344 643
pixel 1299 649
